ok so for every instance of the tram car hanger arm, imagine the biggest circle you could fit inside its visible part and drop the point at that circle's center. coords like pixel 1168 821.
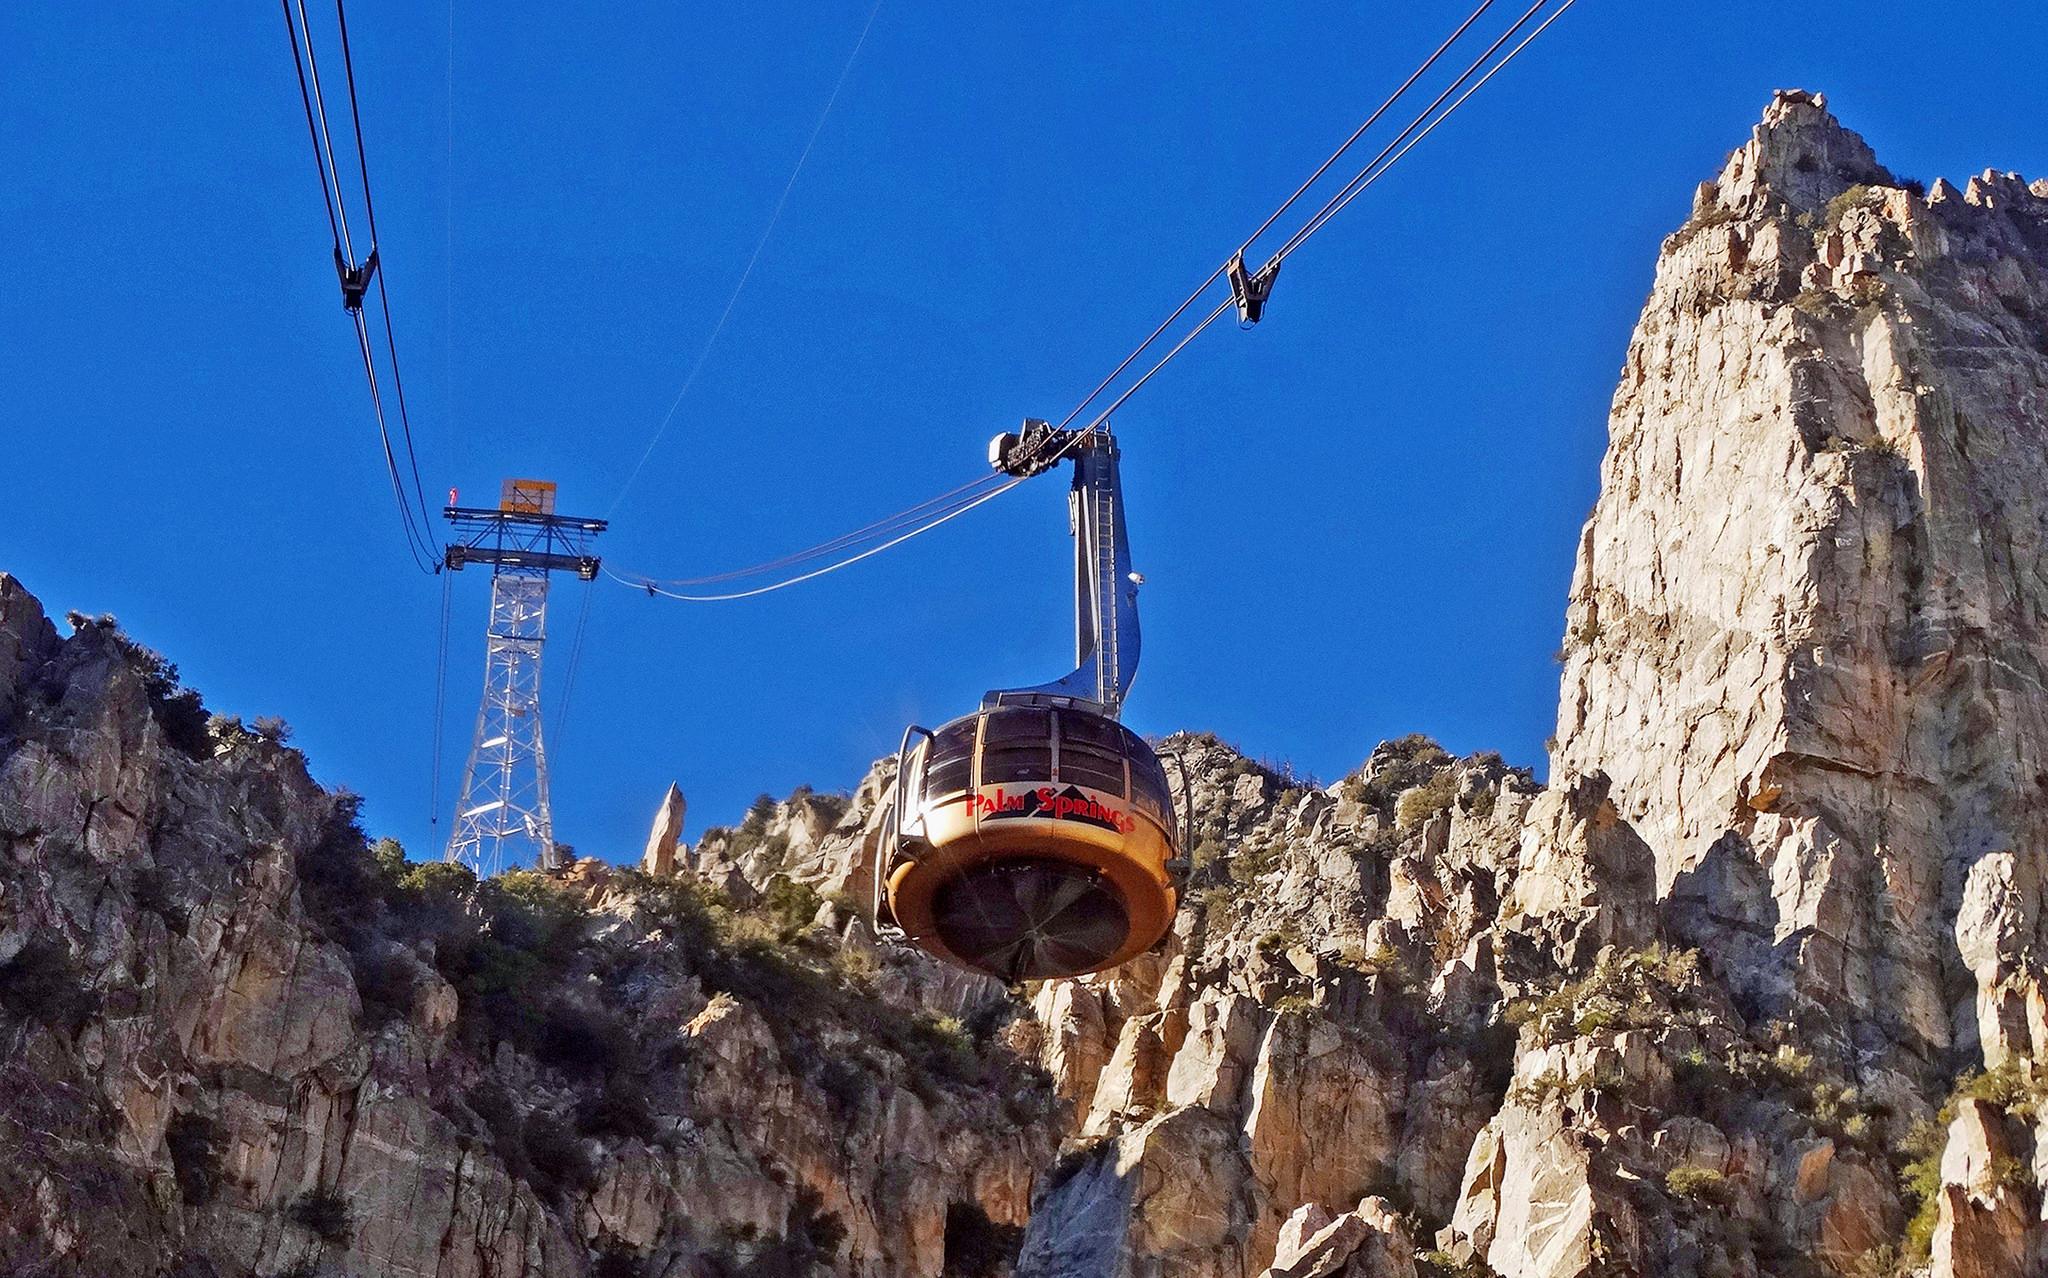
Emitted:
pixel 1106 637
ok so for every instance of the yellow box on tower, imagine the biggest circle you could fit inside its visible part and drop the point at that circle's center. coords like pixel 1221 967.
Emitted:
pixel 527 496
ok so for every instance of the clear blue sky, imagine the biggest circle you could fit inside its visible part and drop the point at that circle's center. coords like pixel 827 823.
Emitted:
pixel 1356 521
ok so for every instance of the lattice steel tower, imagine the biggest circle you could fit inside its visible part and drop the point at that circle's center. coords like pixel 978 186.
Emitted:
pixel 505 785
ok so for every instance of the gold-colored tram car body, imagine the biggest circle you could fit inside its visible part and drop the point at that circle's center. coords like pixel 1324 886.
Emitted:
pixel 1034 842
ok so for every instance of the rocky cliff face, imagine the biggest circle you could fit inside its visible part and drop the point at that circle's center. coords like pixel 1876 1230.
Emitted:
pixel 236 1040
pixel 1806 631
pixel 1753 987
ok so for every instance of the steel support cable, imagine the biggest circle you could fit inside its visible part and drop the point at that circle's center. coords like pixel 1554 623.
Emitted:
pixel 774 218
pixel 1387 157
pixel 652 589
pixel 1419 128
pixel 1447 111
pixel 868 532
pixel 305 66
pixel 1403 142
pixel 416 541
pixel 313 130
pixel 575 660
pixel 348 64
pixel 932 517
pixel 1295 241
pixel 1370 120
pixel 1100 419
pixel 404 418
pixel 440 698
pixel 449 425
pixel 326 138
pixel 1313 178
pixel 1137 352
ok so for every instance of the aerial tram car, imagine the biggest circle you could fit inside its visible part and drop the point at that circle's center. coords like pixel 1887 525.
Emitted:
pixel 1036 838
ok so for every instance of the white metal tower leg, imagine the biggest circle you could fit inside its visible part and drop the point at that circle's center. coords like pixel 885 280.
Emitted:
pixel 503 814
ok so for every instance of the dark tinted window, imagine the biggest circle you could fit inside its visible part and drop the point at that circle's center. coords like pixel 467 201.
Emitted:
pixel 1016 745
pixel 1091 752
pixel 1092 730
pixel 949 759
pixel 1148 780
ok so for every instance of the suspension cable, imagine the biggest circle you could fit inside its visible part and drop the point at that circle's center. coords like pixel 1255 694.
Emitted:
pixel 1277 213
pixel 1330 207
pixel 1424 123
pixel 1386 158
pixel 416 541
pixel 324 140
pixel 653 589
pixel 413 508
pixel 440 698
pixel 869 532
pixel 348 64
pixel 306 97
pixel 575 660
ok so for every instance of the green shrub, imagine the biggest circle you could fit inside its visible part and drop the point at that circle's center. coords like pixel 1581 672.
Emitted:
pixel 845 1084
pixel 793 906
pixel 340 883
pixel 1422 802
pixel 1701 1184
pixel 1920 1151
pixel 1396 767
pixel 810 1241
pixel 1838 208
pixel 499 1117
pixel 152 889
pixel 942 1046
pixel 1638 989
pixel 1441 1264
pixel 272 729
pixel 434 882
pixel 1212 906
pixel 2017 1087
pixel 1254 859
pixel 178 711
pixel 325 1214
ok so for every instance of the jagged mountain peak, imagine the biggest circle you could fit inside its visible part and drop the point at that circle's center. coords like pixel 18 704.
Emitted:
pixel 1799 153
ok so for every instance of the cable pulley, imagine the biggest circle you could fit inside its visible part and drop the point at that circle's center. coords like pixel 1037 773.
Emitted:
pixel 1250 291
pixel 355 280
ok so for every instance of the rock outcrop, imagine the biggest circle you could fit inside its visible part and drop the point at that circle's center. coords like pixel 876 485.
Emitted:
pixel 659 857
pixel 237 1040
pixel 1754 986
